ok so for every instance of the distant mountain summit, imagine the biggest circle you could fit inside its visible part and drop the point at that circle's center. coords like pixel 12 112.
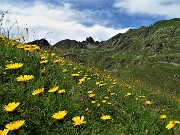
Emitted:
pixel 140 47
pixel 40 42
pixel 162 36
pixel 73 44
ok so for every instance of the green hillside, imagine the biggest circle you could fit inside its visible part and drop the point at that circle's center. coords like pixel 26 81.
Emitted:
pixel 149 54
pixel 114 87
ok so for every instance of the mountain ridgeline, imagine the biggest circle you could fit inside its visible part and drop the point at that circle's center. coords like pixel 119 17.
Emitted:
pixel 149 54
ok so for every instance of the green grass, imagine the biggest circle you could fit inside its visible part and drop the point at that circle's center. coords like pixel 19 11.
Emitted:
pixel 129 114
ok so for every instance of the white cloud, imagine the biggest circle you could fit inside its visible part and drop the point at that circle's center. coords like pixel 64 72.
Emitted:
pixel 62 20
pixel 166 8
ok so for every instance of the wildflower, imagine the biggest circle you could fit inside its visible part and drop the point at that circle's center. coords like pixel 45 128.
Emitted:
pixel 24 78
pixel 75 75
pixel 53 54
pixel 161 110
pixel 20 46
pixel 11 106
pixel 109 103
pixel 78 121
pixel 102 84
pixel 56 61
pixel 4 132
pixel 83 97
pixel 27 47
pixel 104 101
pixel 114 83
pixel 128 94
pixel 89 92
pixel 98 105
pixel 106 97
pixel 93 102
pixel 112 94
pixel 54 89
pixel 148 102
pixel 91 95
pixel 97 83
pixel 43 57
pixel 64 70
pixel 171 125
pixel 105 117
pixel 81 80
pixel 35 47
pixel 61 91
pixel 17 38
pixel 163 116
pixel 44 62
pixel 38 91
pixel 15 125
pixel 60 115
pixel 14 66
pixel 142 96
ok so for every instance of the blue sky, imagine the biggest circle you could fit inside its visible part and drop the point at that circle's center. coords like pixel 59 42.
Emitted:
pixel 77 19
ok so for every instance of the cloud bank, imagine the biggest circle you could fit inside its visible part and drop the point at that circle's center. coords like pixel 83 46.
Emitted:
pixel 166 8
pixel 53 22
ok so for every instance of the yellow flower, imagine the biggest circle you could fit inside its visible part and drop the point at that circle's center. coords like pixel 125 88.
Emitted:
pixel 61 91
pixel 105 117
pixel 148 102
pixel 106 97
pixel 27 47
pixel 56 61
pixel 128 94
pixel 15 125
pixel 64 70
pixel 43 57
pixel 20 46
pixel 59 115
pixel 4 132
pixel 142 96
pixel 177 122
pixel 93 102
pixel 98 105
pixel 82 80
pixel 38 91
pixel 54 89
pixel 11 106
pixel 17 38
pixel 112 94
pixel 24 78
pixel 44 62
pixel 91 95
pixel 104 101
pixel 75 75
pixel 102 84
pixel 89 92
pixel 163 116
pixel 53 54
pixel 97 83
pixel 35 47
pixel 14 66
pixel 78 121
pixel 171 125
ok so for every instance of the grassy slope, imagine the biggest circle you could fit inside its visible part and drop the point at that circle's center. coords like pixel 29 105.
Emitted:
pixel 148 54
pixel 129 113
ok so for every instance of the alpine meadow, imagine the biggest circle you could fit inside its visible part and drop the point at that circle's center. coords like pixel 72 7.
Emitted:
pixel 127 85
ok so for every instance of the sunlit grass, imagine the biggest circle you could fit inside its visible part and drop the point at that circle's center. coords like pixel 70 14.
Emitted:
pixel 57 96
